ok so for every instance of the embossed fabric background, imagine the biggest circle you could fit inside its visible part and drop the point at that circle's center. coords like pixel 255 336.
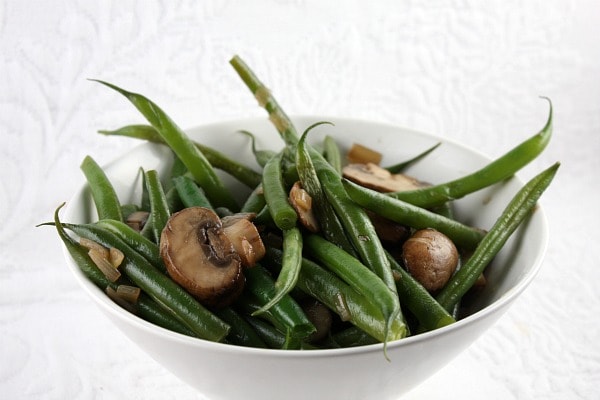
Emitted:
pixel 467 70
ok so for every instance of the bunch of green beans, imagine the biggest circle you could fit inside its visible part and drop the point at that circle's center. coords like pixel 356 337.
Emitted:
pixel 343 264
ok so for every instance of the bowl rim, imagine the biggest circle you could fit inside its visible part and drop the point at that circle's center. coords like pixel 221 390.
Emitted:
pixel 104 302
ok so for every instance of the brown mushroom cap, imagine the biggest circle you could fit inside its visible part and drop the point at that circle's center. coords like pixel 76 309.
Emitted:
pixel 200 258
pixel 430 257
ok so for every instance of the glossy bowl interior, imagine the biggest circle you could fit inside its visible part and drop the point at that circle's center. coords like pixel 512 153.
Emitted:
pixel 221 371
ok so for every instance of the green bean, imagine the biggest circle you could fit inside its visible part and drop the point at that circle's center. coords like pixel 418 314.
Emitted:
pixel 104 195
pixel 146 308
pixel 513 215
pixel 255 202
pixel 354 220
pixel 357 275
pixel 150 311
pixel 276 196
pixel 268 333
pixel 413 216
pixel 136 240
pixel 177 169
pixel 190 193
pixel 174 202
pixel 241 333
pixel 158 286
pixel 399 167
pixel 330 225
pixel 265 99
pixel 418 300
pixel 261 156
pixel 159 207
pixel 290 267
pixel 332 153
pixel 359 228
pixel 496 171
pixel 217 159
pixel 340 298
pixel 183 147
pixel 352 337
pixel 287 312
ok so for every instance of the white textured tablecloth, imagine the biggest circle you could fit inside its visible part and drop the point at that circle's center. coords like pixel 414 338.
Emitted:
pixel 468 70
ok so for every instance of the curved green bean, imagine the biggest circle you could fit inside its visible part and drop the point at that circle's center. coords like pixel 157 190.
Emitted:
pixel 286 311
pixel 261 156
pixel 413 216
pixel 330 225
pixel 136 240
pixel 103 193
pixel 146 308
pixel 401 166
pixel 357 275
pixel 496 171
pixel 340 298
pixel 183 146
pixel 217 159
pixel 290 267
pixel 513 215
pixel 158 286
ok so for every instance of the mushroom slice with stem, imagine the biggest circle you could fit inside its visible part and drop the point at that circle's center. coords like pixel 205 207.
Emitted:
pixel 244 237
pixel 374 177
pixel 302 203
pixel 200 257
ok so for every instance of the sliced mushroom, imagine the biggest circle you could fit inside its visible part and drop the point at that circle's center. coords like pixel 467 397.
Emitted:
pixel 430 257
pixel 360 154
pixel 374 177
pixel 199 256
pixel 244 237
pixel 388 230
pixel 137 219
pixel 321 318
pixel 302 203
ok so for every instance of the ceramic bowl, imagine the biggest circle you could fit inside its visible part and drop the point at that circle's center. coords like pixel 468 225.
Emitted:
pixel 227 372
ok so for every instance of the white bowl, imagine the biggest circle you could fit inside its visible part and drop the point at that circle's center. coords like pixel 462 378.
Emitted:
pixel 221 371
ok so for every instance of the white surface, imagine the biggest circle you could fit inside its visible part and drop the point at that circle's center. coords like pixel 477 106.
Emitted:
pixel 468 71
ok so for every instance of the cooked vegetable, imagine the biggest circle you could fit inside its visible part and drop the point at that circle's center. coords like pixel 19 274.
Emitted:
pixel 218 160
pixel 200 257
pixel 515 212
pixel 496 171
pixel 275 193
pixel 431 257
pixel 176 301
pixel 244 238
pixel 183 146
pixel 374 177
pixel 312 258
pixel 360 154
pixel 416 217
pixel 104 195
pixel 302 203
